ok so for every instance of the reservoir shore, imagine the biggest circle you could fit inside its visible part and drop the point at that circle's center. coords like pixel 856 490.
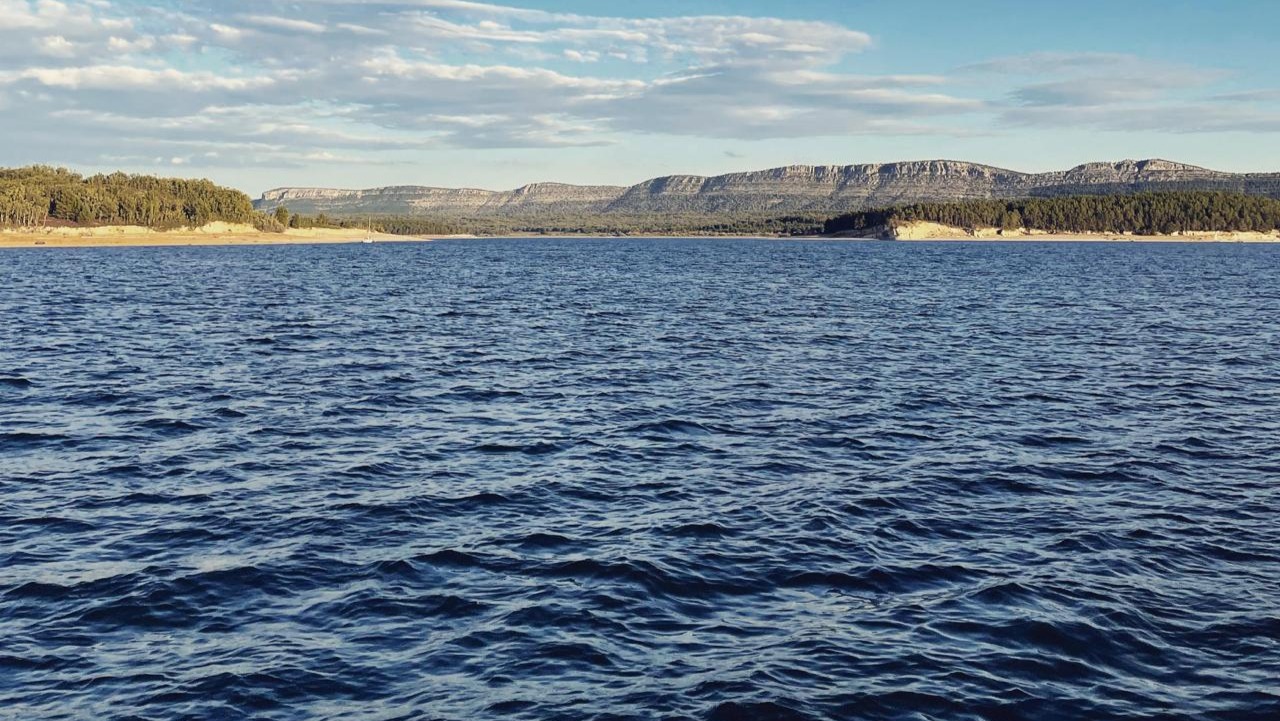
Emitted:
pixel 927 231
pixel 211 234
pixel 235 234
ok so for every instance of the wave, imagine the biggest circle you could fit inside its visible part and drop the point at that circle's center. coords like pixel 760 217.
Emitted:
pixel 546 479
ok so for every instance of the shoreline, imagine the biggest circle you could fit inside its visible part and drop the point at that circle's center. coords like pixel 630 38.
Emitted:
pixel 116 237
pixel 213 235
pixel 1081 238
pixel 1095 239
pixel 925 231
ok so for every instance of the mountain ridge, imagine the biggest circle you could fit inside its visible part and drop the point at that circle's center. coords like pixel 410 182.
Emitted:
pixel 790 188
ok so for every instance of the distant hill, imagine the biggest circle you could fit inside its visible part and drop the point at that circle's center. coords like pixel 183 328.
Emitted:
pixel 793 189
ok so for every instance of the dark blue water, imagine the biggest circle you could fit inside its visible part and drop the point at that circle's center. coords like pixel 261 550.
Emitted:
pixel 546 479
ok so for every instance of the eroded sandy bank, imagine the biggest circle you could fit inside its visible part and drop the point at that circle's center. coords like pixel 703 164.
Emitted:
pixel 212 234
pixel 937 231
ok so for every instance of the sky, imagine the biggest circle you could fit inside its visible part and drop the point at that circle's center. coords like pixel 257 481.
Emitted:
pixel 259 94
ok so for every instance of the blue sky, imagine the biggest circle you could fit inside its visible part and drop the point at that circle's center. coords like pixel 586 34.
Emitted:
pixel 264 93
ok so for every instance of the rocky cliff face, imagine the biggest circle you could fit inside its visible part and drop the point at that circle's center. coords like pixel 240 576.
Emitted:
pixel 796 188
pixel 419 200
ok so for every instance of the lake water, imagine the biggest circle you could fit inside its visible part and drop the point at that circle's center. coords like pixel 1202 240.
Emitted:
pixel 649 479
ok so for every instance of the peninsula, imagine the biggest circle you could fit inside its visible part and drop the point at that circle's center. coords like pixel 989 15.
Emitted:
pixel 46 206
pixel 1191 216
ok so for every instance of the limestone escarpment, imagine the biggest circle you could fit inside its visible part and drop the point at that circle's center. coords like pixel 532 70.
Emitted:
pixel 796 188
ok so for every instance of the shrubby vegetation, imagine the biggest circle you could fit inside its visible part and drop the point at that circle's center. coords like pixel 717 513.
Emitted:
pixel 1141 214
pixel 588 224
pixel 40 195
pixel 415 226
pixel 392 225
pixel 652 224
pixel 1157 213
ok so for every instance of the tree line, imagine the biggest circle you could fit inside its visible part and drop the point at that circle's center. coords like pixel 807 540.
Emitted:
pixel 41 195
pixel 394 225
pixel 590 224
pixel 1161 213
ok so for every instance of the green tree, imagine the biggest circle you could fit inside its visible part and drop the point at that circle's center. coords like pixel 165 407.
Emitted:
pixel 1141 213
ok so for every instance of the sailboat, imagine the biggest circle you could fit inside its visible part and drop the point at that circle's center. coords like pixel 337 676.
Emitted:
pixel 368 238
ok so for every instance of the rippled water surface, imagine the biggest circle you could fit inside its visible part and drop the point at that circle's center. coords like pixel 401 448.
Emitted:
pixel 546 479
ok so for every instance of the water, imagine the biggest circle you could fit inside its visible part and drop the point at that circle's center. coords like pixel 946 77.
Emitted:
pixel 545 479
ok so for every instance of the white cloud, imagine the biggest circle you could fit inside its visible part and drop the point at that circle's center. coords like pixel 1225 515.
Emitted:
pixel 579 56
pixel 180 41
pixel 362 30
pixel 392 66
pixel 122 45
pixel 293 25
pixel 226 33
pixel 57 46
pixel 123 77
pixel 1200 117
pixel 296 81
pixel 385 60
pixel 1090 79
pixel 1124 93
pixel 1250 96
pixel 1042 63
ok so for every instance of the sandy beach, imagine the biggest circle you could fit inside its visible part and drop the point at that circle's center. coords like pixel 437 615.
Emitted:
pixel 212 234
pixel 918 231
pixel 232 234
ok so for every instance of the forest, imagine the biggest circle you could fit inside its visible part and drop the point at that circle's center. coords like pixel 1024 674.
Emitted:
pixel 617 224
pixel 391 225
pixel 41 195
pixel 1141 214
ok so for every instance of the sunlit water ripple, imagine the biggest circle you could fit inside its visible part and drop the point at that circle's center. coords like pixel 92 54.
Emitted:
pixel 546 479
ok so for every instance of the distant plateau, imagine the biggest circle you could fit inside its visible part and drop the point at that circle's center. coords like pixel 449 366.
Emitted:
pixel 791 189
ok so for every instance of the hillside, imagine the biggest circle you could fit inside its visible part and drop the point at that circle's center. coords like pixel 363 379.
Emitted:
pixel 793 189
